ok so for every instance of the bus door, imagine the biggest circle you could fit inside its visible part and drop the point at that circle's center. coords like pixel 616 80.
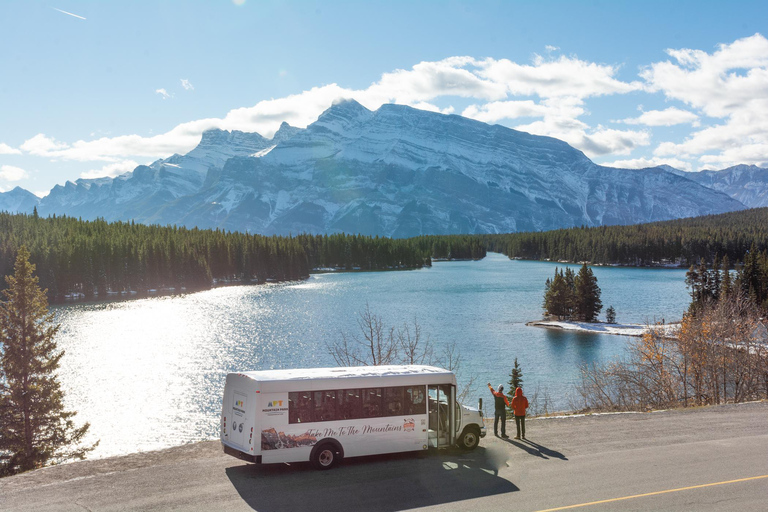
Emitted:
pixel 442 416
pixel 236 426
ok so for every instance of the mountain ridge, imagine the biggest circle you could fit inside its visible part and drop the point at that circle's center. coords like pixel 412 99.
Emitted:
pixel 396 171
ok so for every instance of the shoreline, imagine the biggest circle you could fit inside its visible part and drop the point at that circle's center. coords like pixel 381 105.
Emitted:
pixel 634 330
pixel 128 295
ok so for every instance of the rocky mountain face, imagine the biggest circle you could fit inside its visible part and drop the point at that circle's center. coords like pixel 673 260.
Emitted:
pixel 396 171
pixel 745 183
pixel 18 200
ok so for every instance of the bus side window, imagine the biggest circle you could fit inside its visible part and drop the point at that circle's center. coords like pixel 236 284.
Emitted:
pixel 325 405
pixel 372 403
pixel 393 401
pixel 350 405
pixel 414 400
pixel 300 407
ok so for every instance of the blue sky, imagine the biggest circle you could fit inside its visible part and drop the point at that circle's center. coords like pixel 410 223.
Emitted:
pixel 631 84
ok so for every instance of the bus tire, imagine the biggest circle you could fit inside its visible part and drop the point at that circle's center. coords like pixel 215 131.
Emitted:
pixel 326 455
pixel 470 438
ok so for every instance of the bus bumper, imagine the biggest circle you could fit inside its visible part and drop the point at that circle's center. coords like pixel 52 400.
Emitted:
pixel 240 455
pixel 482 432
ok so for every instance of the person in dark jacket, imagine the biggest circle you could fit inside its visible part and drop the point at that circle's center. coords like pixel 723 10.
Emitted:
pixel 519 405
pixel 500 412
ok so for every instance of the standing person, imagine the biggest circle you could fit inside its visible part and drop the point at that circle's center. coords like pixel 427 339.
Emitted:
pixel 500 412
pixel 519 405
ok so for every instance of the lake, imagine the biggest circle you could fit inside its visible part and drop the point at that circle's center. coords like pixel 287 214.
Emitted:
pixel 149 373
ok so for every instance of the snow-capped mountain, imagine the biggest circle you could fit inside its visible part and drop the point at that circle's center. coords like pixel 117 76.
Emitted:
pixel 18 200
pixel 745 183
pixel 396 171
pixel 145 192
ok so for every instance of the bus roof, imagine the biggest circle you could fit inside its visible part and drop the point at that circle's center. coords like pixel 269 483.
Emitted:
pixel 350 372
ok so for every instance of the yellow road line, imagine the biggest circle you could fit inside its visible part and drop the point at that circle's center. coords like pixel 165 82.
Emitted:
pixel 654 493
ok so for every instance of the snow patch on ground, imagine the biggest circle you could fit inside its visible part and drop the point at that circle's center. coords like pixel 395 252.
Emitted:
pixel 669 330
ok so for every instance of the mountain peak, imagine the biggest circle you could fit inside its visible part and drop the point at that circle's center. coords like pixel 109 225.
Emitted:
pixel 18 200
pixel 286 131
pixel 344 113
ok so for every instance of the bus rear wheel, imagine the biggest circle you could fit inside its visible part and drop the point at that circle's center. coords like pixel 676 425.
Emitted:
pixel 325 456
pixel 470 438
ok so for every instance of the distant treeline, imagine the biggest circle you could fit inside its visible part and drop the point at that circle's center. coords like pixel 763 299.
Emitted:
pixel 452 247
pixel 686 241
pixel 94 257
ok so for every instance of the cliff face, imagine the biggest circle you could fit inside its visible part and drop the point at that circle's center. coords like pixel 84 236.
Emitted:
pixel 745 183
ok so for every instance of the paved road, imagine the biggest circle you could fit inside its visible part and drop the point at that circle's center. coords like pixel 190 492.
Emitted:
pixel 568 461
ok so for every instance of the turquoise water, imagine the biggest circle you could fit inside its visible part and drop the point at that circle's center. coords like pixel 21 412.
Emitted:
pixel 149 373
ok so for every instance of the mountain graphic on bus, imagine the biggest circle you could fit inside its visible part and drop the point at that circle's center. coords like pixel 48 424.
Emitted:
pixel 271 439
pixel 409 425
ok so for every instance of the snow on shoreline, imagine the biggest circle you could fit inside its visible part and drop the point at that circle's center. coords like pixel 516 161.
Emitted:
pixel 670 330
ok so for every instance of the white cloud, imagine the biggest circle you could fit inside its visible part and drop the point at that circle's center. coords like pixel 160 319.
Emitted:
pixel 11 173
pixel 730 83
pixel 5 149
pixel 110 170
pixel 642 163
pixel 163 93
pixel 667 117
pixel 551 48
pixel 562 77
pixel 721 83
pixel 42 145
pixel 495 111
pixel 187 85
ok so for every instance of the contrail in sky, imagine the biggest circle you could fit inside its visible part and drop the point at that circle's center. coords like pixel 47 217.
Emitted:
pixel 65 12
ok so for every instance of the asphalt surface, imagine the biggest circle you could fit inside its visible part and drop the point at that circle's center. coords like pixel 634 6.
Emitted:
pixel 713 458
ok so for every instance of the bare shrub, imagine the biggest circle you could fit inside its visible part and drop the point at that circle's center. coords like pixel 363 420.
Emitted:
pixel 539 402
pixel 718 356
pixel 450 359
pixel 374 345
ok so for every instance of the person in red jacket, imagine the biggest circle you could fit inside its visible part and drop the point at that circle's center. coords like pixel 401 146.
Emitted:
pixel 500 412
pixel 519 405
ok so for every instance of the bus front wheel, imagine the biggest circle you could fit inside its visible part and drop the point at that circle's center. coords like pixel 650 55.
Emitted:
pixel 325 456
pixel 470 438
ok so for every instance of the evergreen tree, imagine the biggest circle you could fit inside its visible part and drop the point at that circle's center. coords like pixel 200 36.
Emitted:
pixel 570 297
pixel 35 430
pixel 515 380
pixel 726 286
pixel 610 315
pixel 588 304
pixel 557 298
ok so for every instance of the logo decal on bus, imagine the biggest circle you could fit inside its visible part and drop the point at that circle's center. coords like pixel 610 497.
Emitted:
pixel 275 403
pixel 409 425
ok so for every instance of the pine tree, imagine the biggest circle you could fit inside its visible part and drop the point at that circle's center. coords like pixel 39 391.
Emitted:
pixel 610 315
pixel 726 286
pixel 515 380
pixel 557 297
pixel 588 303
pixel 35 430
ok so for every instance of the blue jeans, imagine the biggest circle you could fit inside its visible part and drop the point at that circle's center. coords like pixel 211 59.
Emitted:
pixel 500 415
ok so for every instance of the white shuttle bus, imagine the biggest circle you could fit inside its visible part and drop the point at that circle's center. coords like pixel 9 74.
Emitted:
pixel 322 415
